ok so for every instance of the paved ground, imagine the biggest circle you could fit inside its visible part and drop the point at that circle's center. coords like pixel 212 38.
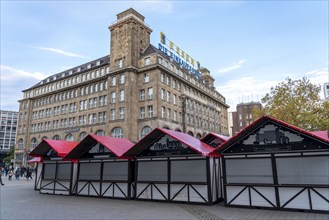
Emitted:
pixel 18 200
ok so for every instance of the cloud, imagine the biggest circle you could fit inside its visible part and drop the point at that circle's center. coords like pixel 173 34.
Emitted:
pixel 11 74
pixel 253 89
pixel 12 82
pixel 245 89
pixel 62 52
pixel 236 65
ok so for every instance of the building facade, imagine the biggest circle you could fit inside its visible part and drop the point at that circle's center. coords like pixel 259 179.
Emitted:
pixel 125 94
pixel 326 90
pixel 7 132
pixel 243 116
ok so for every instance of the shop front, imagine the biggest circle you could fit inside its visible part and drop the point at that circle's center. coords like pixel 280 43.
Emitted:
pixel 174 167
pixel 271 164
pixel 101 170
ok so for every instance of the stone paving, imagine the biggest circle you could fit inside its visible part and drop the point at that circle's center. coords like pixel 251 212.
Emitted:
pixel 18 200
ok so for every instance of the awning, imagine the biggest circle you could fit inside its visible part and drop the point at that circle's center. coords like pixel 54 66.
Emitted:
pixel 35 160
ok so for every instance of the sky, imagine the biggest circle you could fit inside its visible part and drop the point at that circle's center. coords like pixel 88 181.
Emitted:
pixel 248 46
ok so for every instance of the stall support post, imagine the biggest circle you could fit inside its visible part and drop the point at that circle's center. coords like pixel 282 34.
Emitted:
pixel 101 180
pixel 130 167
pixel 168 177
pixel 209 181
pixel 224 180
pixel 275 181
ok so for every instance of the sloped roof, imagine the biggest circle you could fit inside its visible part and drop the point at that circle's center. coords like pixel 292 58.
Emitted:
pixel 191 142
pixel 321 134
pixel 62 148
pixel 118 146
pixel 258 123
pixel 211 135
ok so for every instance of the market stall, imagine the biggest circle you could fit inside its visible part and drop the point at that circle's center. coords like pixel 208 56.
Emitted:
pixel 56 173
pixel 275 165
pixel 175 167
pixel 102 171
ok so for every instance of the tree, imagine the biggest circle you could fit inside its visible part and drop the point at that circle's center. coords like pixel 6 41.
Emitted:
pixel 10 155
pixel 298 103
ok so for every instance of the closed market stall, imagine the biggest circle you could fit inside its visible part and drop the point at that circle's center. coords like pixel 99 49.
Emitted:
pixel 275 165
pixel 174 167
pixel 102 171
pixel 56 173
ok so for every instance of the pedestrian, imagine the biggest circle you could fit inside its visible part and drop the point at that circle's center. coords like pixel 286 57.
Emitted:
pixel 17 173
pixel 1 171
pixel 28 173
pixel 10 174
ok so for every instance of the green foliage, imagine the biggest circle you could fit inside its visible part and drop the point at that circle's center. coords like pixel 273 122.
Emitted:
pixel 297 102
pixel 10 155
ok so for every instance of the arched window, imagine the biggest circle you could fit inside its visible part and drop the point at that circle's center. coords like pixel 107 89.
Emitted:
pixel 166 127
pixel 56 137
pixel 33 143
pixel 145 130
pixel 82 135
pixel 177 129
pixel 190 133
pixel 21 144
pixel 198 136
pixel 117 132
pixel 44 137
pixel 69 137
pixel 100 133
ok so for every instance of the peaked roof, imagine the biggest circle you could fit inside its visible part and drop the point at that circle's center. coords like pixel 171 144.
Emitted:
pixel 211 136
pixel 62 148
pixel 118 146
pixel 157 133
pixel 257 124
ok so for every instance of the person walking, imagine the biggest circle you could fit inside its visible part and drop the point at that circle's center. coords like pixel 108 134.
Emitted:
pixel 1 172
pixel 28 174
pixel 17 173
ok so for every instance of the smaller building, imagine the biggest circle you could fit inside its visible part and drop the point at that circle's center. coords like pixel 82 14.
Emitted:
pixel 243 116
pixel 7 132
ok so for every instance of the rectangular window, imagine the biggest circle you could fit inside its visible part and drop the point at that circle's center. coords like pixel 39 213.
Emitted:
pixel 169 113
pixel 175 115
pixel 122 95
pixel 114 81
pixel 142 94
pixel 113 114
pixel 122 79
pixel 160 60
pixel 168 96
pixel 168 80
pixel 95 102
pixel 142 112
pixel 150 93
pixel 174 99
pixel 113 97
pixel 146 77
pixel 163 112
pixel 163 92
pixel 150 111
pixel 122 113
pixel 147 61
pixel 162 77
pixel 90 103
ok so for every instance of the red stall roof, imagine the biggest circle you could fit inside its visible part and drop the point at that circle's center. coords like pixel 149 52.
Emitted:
pixel 35 160
pixel 62 148
pixel 118 146
pixel 321 134
pixel 259 122
pixel 157 133
pixel 211 135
